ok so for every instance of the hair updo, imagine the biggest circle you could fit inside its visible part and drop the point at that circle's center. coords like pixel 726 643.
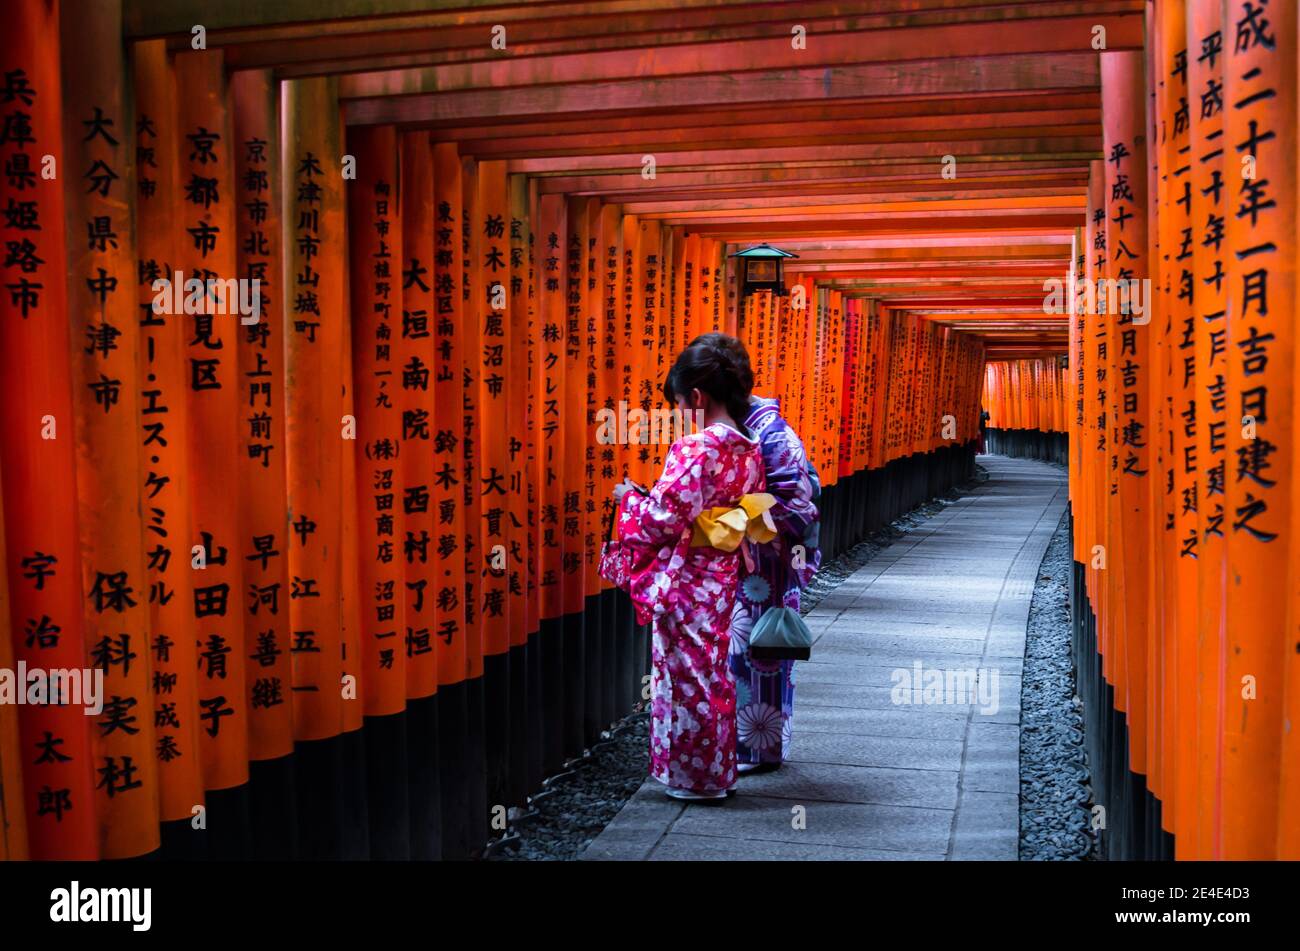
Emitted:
pixel 718 365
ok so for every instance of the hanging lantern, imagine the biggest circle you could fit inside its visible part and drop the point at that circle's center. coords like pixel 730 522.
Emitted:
pixel 761 269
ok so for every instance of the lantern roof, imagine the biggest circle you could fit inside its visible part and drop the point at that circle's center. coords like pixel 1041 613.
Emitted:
pixel 763 250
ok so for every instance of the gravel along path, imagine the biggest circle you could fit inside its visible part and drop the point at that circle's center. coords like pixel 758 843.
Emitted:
pixel 1055 795
pixel 574 806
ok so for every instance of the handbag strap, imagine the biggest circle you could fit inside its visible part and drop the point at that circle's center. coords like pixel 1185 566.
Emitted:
pixel 613 521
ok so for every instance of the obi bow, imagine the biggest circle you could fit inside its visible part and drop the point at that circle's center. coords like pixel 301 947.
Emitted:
pixel 725 527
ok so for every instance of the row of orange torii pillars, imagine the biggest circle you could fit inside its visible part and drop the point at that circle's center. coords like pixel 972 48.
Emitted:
pixel 232 440
pixel 434 341
pixel 1027 394
pixel 1181 421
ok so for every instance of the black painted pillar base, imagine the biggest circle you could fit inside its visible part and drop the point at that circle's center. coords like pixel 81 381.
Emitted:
pixel 387 792
pixel 594 680
pixel 1029 444
pixel 551 638
pixel 574 688
pixel 453 770
pixel 1132 815
pixel 425 798
pixel 496 727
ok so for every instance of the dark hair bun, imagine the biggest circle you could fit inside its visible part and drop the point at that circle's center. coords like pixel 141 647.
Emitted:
pixel 716 364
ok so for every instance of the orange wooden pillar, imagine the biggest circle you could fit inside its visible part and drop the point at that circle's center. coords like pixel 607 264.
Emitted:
pixel 264 451
pixel 351 669
pixel 613 642
pixel 728 279
pixel 206 250
pixel 1205 79
pixel 449 467
pixel 573 494
pixel 688 292
pixel 1259 143
pixel 383 428
pixel 874 386
pixel 848 387
pixel 460 650
pixel 596 679
pixel 711 288
pixel 1160 614
pixel 315 427
pixel 813 418
pixel 38 442
pixel 818 378
pixel 1180 738
pixel 492 264
pixel 645 301
pixel 413 341
pixel 862 395
pixel 630 658
pixel 760 351
pixel 669 237
pixel 106 334
pixel 550 421
pixel 1096 420
pixel 375 256
pixel 722 276
pixel 1288 832
pixel 793 411
pixel 164 443
pixel 525 659
pixel 652 369
pixel 1124 144
pixel 417 365
pixel 495 368
pixel 628 347
pixel 607 368
pixel 834 381
pixel 472 438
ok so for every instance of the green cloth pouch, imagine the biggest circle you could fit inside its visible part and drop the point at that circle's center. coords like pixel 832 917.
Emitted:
pixel 780 634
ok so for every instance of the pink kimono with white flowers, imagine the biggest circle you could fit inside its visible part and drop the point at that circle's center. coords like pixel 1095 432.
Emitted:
pixel 692 591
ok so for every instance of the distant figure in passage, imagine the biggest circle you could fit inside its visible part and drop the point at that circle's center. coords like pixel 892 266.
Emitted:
pixel 678 556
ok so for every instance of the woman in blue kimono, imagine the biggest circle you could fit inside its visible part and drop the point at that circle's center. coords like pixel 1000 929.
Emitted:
pixel 771 575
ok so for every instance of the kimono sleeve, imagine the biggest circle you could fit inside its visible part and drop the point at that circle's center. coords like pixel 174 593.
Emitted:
pixel 786 467
pixel 660 517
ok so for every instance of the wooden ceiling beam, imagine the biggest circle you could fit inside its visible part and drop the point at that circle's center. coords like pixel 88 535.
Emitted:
pixel 1069 148
pixel 737 59
pixel 881 197
pixel 973 169
pixel 789 132
pixel 287 20
pixel 711 116
pixel 383 100
pixel 600 52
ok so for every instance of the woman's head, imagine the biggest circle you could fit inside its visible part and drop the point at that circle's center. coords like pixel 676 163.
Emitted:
pixel 713 369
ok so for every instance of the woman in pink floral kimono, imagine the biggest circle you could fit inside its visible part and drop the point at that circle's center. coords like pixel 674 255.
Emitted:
pixel 687 587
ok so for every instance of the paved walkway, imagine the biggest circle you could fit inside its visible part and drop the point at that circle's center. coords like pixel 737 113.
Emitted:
pixel 868 777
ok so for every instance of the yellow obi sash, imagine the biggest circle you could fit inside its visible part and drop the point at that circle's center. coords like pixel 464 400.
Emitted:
pixel 725 527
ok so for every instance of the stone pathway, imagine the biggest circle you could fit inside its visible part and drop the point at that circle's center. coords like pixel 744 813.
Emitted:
pixel 868 777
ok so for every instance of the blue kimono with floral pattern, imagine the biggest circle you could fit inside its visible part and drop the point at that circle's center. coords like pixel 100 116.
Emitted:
pixel 772 576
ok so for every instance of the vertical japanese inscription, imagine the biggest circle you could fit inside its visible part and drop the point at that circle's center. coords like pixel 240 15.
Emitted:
pixel 99 150
pixel 263 455
pixel 206 246
pixel 42 547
